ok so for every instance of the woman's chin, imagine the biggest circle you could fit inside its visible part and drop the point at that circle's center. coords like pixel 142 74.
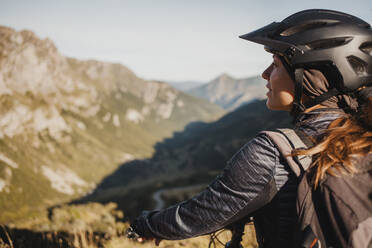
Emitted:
pixel 273 106
pixel 270 105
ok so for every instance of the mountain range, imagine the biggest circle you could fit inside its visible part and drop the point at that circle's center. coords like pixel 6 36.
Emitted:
pixel 65 124
pixel 69 127
pixel 77 135
pixel 231 93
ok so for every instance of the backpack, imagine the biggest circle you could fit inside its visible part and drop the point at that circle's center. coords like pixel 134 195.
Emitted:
pixel 339 212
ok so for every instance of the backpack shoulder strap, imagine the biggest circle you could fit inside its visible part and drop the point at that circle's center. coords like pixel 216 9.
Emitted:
pixel 288 139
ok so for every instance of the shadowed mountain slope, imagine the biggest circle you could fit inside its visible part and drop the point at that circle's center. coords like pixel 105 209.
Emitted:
pixel 193 156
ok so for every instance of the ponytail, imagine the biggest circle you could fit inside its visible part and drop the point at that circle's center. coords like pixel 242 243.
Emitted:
pixel 345 139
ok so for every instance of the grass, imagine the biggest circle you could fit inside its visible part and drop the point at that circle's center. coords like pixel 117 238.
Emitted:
pixel 88 239
pixel 96 225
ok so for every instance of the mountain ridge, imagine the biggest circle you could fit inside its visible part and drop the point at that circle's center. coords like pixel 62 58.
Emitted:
pixel 185 85
pixel 67 123
pixel 229 92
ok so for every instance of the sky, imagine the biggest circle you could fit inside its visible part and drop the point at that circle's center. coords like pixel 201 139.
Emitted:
pixel 169 40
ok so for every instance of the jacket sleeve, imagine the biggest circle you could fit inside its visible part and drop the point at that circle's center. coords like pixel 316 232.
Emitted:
pixel 246 184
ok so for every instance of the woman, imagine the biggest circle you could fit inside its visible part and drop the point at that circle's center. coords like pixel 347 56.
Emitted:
pixel 314 74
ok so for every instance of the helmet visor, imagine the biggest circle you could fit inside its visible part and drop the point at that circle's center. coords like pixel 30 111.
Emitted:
pixel 265 36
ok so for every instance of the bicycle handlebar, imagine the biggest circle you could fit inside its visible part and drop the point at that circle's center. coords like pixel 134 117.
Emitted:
pixel 237 230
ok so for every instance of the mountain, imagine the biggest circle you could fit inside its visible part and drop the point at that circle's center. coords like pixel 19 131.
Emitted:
pixel 65 124
pixel 191 157
pixel 186 85
pixel 231 93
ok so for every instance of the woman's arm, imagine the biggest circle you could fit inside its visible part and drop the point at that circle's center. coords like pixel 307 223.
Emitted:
pixel 247 183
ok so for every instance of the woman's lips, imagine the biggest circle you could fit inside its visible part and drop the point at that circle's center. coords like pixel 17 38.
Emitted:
pixel 268 87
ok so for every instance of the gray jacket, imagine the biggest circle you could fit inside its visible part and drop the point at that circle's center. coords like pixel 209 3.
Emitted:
pixel 256 181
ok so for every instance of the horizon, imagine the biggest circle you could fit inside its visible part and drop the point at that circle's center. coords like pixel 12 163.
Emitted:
pixel 170 41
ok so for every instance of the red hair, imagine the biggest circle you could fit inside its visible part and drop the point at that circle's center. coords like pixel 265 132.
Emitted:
pixel 345 139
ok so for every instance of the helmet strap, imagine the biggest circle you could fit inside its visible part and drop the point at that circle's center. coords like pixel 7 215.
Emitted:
pixel 319 99
pixel 298 107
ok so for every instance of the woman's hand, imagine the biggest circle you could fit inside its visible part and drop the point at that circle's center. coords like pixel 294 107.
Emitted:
pixel 141 240
pixel 131 234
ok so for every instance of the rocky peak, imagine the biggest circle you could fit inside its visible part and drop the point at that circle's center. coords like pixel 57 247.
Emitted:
pixel 32 69
pixel 224 77
pixel 28 64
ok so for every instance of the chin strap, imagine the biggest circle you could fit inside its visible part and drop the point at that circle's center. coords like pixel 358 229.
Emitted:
pixel 297 76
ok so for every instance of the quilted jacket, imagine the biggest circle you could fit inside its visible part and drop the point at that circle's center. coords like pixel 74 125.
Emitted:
pixel 256 181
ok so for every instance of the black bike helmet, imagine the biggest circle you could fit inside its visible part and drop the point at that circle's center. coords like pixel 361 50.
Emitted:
pixel 338 43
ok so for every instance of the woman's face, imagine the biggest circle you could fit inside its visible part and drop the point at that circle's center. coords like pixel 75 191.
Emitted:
pixel 280 85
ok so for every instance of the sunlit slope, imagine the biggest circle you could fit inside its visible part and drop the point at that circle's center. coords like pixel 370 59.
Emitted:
pixel 65 123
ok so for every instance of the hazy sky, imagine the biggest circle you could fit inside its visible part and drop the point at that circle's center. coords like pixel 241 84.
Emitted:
pixel 174 40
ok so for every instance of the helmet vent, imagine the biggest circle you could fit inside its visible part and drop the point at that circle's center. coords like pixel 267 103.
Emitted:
pixel 359 66
pixel 303 27
pixel 328 43
pixel 366 48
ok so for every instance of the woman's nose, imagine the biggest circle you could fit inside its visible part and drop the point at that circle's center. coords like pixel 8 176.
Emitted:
pixel 266 73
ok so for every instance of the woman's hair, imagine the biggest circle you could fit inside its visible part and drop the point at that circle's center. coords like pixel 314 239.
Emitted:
pixel 345 139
